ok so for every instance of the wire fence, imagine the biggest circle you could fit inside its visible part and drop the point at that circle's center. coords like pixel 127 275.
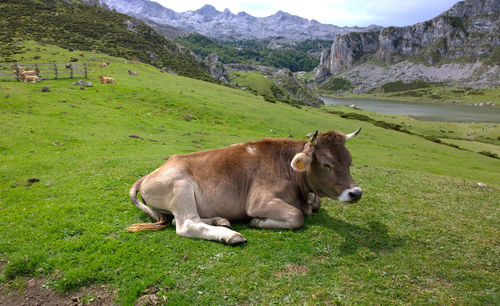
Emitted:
pixel 14 72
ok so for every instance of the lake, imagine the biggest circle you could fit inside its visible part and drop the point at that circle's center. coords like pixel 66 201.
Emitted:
pixel 424 111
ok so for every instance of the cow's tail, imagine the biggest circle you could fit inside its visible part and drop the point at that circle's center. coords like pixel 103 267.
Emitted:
pixel 161 220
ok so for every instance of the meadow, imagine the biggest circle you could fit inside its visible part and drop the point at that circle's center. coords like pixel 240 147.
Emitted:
pixel 424 232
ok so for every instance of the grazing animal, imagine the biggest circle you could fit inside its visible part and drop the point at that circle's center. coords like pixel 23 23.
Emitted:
pixel 73 60
pixel 105 64
pixel 30 78
pixel 106 80
pixel 28 72
pixel 268 182
pixel 132 73
pixel 82 55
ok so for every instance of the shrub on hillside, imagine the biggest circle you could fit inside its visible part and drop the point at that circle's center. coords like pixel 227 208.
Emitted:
pixel 336 84
pixel 401 86
pixel 489 154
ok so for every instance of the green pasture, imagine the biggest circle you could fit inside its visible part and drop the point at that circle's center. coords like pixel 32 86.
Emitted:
pixel 486 133
pixel 424 232
pixel 254 81
pixel 437 93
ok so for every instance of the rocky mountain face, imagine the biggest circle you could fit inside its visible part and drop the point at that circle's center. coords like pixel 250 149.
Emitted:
pixel 226 25
pixel 467 32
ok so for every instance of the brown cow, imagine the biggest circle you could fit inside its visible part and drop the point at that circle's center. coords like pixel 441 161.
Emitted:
pixel 106 80
pixel 267 181
pixel 28 72
pixel 30 78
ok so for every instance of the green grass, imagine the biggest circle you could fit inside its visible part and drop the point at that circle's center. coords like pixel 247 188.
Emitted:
pixel 73 25
pixel 474 146
pixel 335 84
pixel 254 81
pixel 423 233
pixel 435 93
pixel 480 132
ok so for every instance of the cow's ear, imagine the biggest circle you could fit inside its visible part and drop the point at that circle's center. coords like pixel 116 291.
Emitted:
pixel 301 162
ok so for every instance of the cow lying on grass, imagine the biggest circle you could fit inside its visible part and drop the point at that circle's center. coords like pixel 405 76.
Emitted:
pixel 106 80
pixel 22 72
pixel 28 72
pixel 30 78
pixel 266 181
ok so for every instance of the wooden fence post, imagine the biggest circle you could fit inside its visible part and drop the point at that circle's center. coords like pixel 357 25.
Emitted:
pixel 71 70
pixel 85 69
pixel 17 72
pixel 37 70
pixel 55 69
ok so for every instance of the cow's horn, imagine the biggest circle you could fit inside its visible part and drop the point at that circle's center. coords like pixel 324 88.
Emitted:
pixel 352 135
pixel 313 138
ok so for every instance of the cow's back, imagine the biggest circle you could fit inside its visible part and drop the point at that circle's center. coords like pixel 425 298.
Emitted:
pixel 225 176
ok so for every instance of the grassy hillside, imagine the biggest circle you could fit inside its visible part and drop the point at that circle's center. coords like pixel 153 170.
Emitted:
pixel 424 232
pixel 278 86
pixel 417 91
pixel 78 26
pixel 420 91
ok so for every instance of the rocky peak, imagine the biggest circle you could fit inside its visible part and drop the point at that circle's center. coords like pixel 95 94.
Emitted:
pixel 226 25
pixel 473 8
pixel 208 11
pixel 468 30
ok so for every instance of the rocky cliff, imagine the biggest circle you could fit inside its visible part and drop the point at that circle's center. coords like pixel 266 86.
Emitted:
pixel 467 32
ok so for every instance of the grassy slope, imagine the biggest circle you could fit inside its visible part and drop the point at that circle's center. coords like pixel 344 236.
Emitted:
pixel 91 28
pixel 423 233
pixel 255 81
pixel 480 132
pixel 438 94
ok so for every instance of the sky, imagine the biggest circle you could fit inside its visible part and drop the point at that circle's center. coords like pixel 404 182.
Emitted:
pixel 337 12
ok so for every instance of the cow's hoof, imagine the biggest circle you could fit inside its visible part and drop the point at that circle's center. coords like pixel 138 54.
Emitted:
pixel 255 222
pixel 236 239
pixel 224 222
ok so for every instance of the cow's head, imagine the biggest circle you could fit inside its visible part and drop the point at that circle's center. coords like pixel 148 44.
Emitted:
pixel 326 161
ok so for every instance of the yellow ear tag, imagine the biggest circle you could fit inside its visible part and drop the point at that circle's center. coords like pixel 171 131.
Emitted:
pixel 300 165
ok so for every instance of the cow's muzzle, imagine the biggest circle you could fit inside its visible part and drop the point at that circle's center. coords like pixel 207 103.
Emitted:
pixel 351 195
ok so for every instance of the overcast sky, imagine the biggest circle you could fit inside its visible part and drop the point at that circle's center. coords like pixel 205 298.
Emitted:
pixel 337 12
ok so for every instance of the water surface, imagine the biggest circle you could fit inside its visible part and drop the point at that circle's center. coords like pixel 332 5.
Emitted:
pixel 424 111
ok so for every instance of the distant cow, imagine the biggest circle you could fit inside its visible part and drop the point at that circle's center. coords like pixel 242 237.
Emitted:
pixel 28 72
pixel 30 78
pixel 267 182
pixel 132 73
pixel 73 60
pixel 106 80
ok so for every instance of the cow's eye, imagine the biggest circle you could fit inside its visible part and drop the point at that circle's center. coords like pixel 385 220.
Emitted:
pixel 327 166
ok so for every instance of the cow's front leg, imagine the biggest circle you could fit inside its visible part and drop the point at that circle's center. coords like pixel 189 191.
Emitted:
pixel 314 201
pixel 215 221
pixel 275 213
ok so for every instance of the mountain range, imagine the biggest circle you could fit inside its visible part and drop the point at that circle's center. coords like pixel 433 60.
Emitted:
pixel 226 25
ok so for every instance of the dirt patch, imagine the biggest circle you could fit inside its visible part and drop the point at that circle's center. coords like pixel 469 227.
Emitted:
pixel 149 297
pixel 35 292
